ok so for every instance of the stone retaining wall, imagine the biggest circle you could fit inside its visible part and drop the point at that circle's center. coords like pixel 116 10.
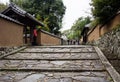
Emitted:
pixel 110 45
pixel 5 50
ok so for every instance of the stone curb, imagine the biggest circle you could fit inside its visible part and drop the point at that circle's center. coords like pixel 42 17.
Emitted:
pixel 12 52
pixel 113 73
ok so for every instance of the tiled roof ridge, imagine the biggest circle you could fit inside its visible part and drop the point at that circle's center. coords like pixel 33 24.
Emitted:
pixel 18 9
pixel 10 19
pixel 24 13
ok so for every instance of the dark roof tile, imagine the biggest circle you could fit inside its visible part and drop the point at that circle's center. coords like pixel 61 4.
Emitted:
pixel 10 19
pixel 21 12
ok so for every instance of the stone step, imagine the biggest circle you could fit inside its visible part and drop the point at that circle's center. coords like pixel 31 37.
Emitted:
pixel 59 50
pixel 55 77
pixel 56 56
pixel 57 64
pixel 76 65
pixel 63 46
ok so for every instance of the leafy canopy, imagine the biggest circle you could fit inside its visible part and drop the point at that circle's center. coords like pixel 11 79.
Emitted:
pixel 2 7
pixel 103 9
pixel 49 12
pixel 76 29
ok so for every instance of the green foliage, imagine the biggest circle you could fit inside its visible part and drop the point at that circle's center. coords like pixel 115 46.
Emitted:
pixel 116 27
pixel 18 2
pixel 68 34
pixel 76 29
pixel 50 11
pixel 2 7
pixel 94 23
pixel 45 22
pixel 103 9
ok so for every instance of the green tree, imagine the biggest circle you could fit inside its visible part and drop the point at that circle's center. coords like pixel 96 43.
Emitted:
pixel 52 10
pixel 67 33
pixel 103 9
pixel 76 29
pixel 78 26
pixel 2 7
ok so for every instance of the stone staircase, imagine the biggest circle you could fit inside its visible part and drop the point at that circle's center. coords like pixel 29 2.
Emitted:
pixel 57 64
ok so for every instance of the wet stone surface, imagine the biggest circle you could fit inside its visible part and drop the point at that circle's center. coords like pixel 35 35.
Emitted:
pixel 54 64
pixel 54 77
pixel 53 56
pixel 83 49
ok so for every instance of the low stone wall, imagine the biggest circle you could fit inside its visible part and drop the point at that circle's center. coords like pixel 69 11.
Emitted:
pixel 109 43
pixel 5 50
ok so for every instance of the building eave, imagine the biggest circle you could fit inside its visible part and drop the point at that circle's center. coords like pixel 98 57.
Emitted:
pixel 10 19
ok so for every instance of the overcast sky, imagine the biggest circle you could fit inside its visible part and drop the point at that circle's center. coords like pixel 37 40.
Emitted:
pixel 4 1
pixel 74 10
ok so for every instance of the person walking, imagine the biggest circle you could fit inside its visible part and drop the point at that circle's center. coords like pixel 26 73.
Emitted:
pixel 34 36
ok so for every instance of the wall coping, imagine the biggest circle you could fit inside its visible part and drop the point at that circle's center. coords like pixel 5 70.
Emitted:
pixel 10 19
pixel 28 35
pixel 50 34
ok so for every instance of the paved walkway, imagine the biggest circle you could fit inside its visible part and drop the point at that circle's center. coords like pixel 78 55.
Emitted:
pixel 57 64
